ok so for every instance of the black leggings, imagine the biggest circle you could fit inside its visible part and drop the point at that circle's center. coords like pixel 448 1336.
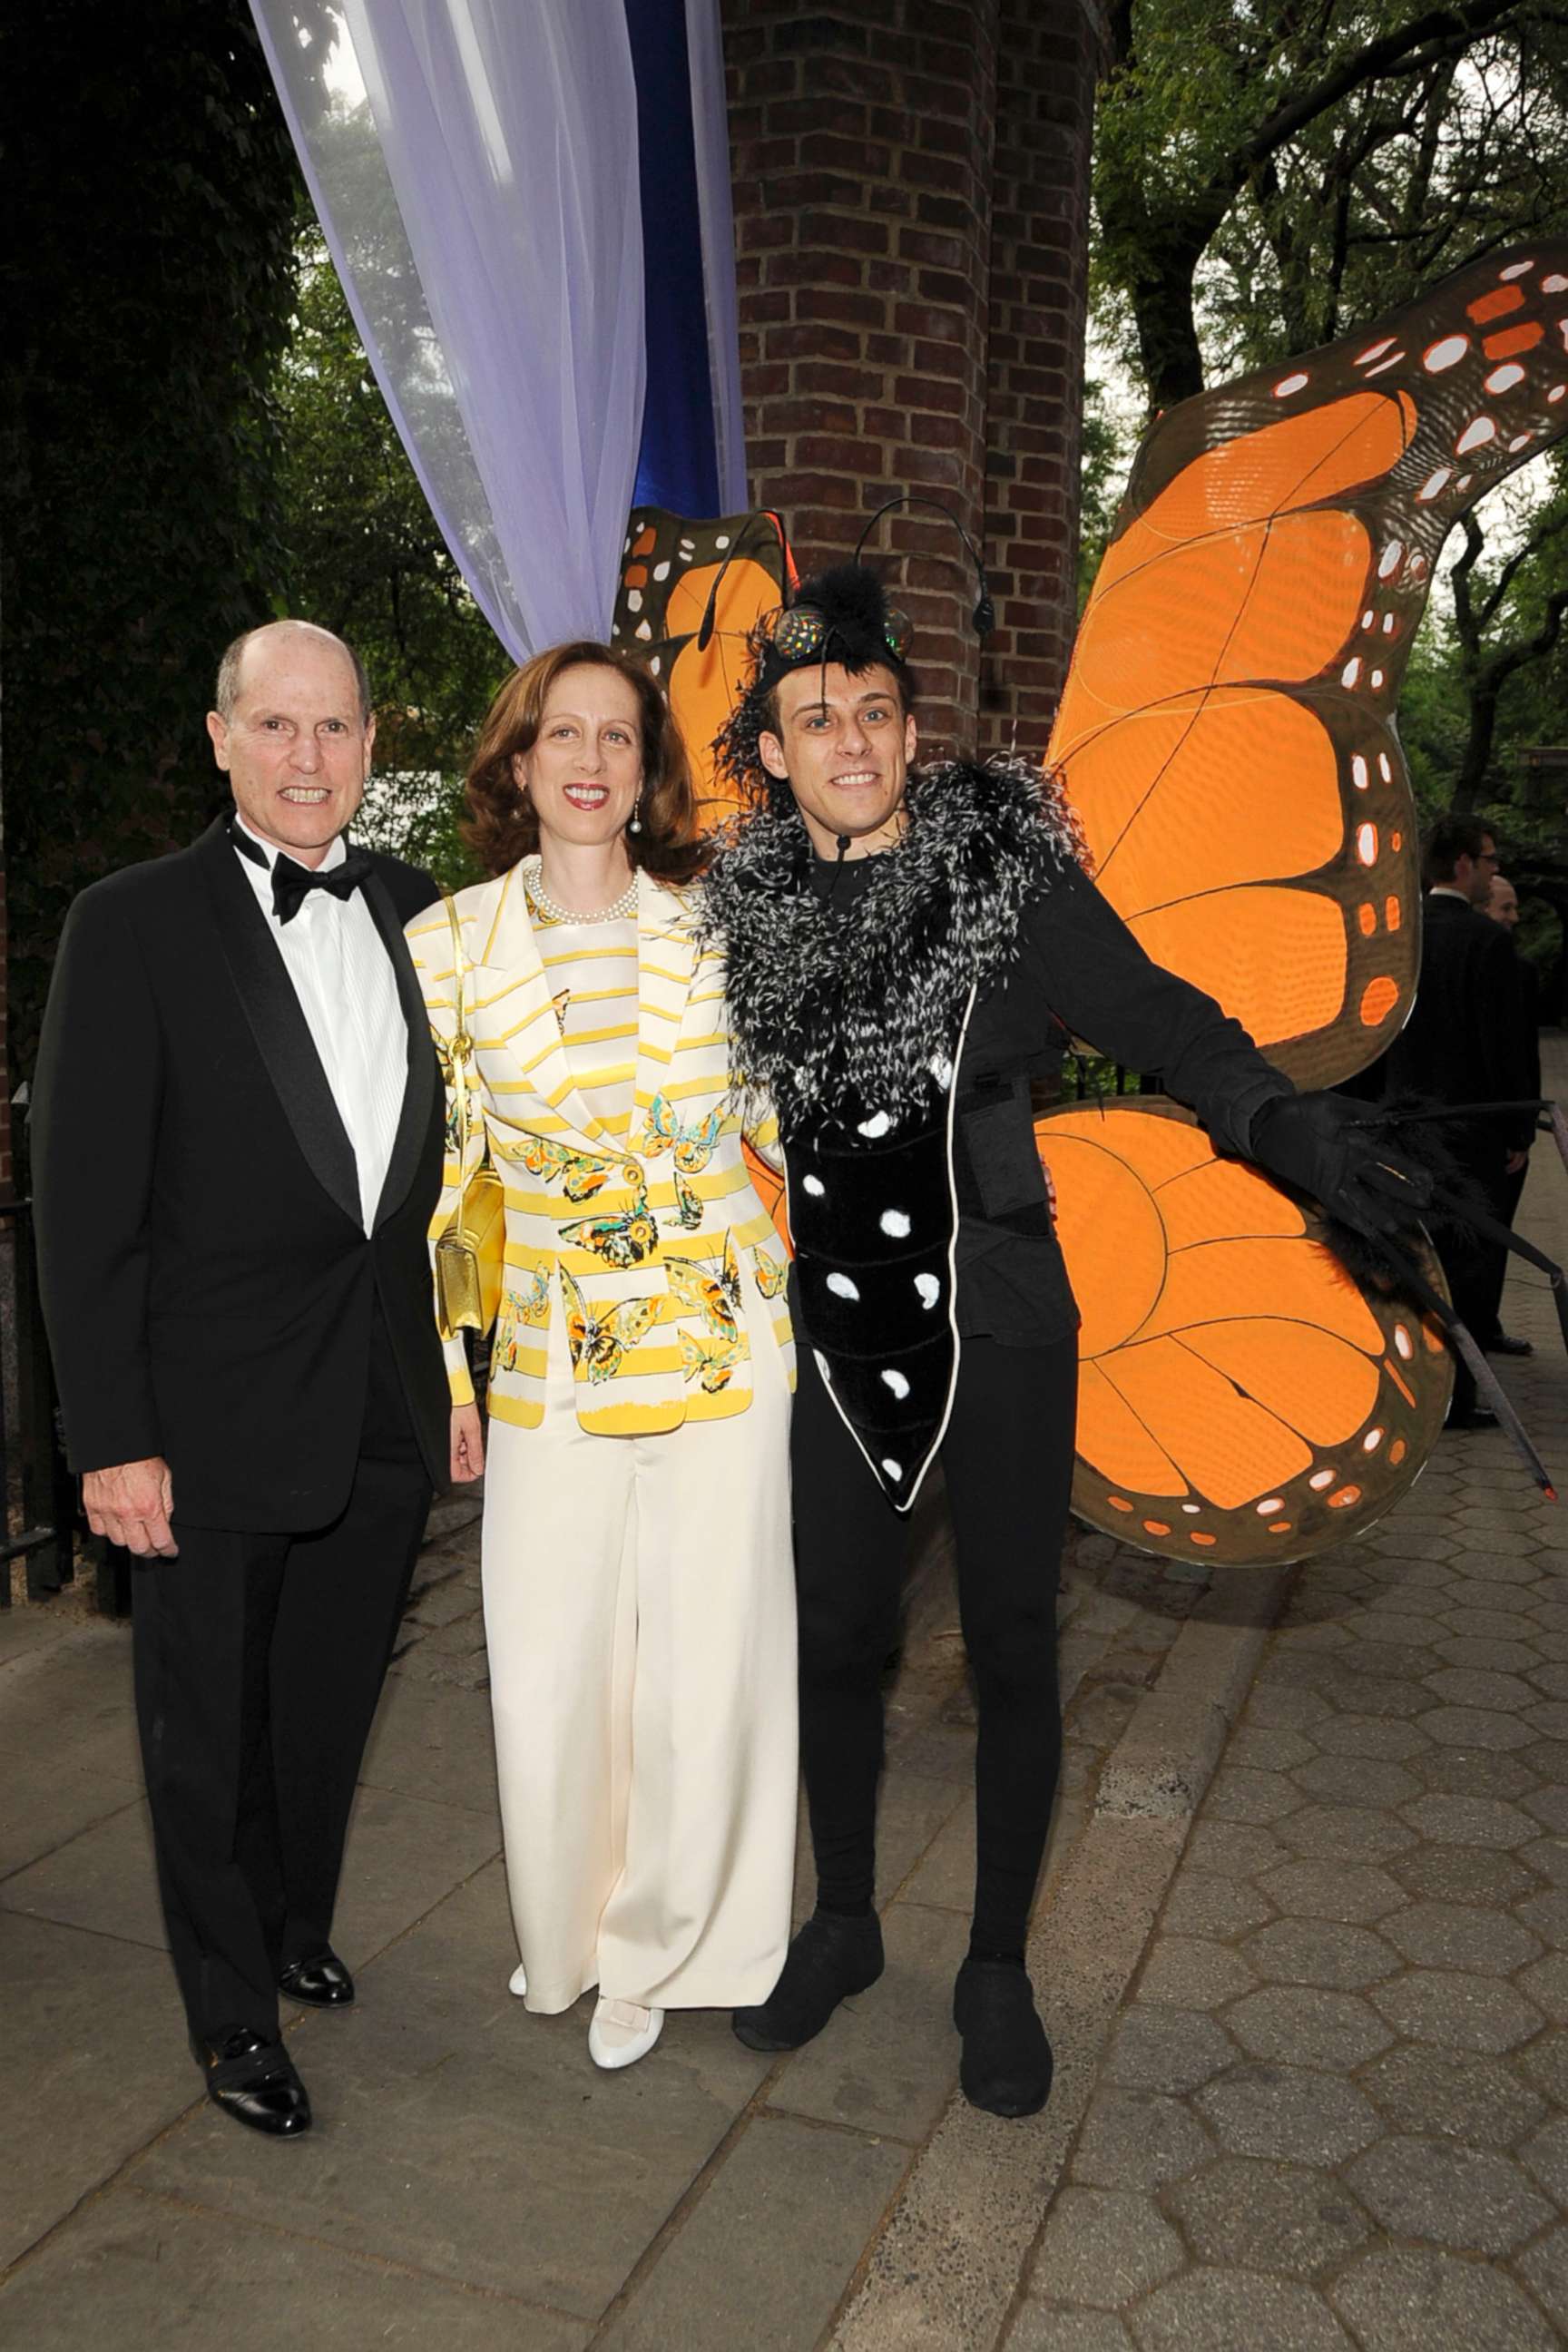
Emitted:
pixel 1008 1459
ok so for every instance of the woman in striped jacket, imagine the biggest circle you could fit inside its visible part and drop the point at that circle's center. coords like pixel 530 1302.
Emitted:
pixel 638 1593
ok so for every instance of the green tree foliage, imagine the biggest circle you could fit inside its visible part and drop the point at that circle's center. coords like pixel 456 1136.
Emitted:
pixel 1269 178
pixel 1106 453
pixel 365 559
pixel 1509 601
pixel 147 272
pixel 1265 177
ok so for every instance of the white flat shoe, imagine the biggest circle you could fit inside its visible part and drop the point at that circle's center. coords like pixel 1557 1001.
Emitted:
pixel 518 1981
pixel 622 2032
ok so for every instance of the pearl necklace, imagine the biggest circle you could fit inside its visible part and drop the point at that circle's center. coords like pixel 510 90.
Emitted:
pixel 544 906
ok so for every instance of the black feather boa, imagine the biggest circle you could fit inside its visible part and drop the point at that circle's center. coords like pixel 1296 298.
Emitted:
pixel 836 1009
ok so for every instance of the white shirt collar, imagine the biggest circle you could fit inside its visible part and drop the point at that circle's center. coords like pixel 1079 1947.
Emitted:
pixel 1447 890
pixel 336 853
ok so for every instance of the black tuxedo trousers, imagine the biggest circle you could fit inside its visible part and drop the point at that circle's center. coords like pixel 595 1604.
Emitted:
pixel 213 1298
pixel 259 1660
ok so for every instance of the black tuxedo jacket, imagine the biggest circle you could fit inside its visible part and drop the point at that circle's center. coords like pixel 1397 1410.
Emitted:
pixel 1465 1041
pixel 208 1284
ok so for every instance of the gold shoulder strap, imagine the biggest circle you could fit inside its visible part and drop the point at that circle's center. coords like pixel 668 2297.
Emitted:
pixel 462 1053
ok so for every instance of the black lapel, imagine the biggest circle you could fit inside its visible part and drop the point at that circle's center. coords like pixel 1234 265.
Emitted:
pixel 424 1073
pixel 277 1024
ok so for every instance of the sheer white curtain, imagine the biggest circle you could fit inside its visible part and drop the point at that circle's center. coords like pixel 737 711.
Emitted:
pixel 473 165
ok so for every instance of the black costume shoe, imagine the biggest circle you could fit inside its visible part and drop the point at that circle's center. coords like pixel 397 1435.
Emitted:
pixel 1503 1343
pixel 321 1982
pixel 831 1957
pixel 1470 1416
pixel 254 2081
pixel 1008 2065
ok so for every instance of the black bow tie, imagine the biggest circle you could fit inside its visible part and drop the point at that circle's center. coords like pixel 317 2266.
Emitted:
pixel 292 881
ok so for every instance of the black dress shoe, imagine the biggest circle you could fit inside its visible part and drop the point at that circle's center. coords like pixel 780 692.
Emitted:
pixel 1006 2066
pixel 1470 1416
pixel 321 1982
pixel 254 2081
pixel 1505 1344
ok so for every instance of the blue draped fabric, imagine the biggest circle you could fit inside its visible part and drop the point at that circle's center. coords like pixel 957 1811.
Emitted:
pixel 678 458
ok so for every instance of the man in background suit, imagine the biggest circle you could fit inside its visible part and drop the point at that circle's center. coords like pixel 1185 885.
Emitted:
pixel 238 1133
pixel 1502 906
pixel 1463 1044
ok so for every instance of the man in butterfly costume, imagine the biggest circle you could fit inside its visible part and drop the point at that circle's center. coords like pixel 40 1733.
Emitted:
pixel 901 943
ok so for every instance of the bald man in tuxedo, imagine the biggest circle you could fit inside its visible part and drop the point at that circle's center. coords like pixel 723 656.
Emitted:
pixel 237 1145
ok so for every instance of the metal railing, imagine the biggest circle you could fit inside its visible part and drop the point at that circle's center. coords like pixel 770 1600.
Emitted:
pixel 40 1494
pixel 43 1522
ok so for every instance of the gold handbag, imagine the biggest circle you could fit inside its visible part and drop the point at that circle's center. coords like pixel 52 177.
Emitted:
pixel 470 1257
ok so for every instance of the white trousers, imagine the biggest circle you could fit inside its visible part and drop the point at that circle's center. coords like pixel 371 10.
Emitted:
pixel 639 1613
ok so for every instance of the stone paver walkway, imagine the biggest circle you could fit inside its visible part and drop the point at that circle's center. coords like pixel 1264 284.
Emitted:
pixel 1312 2046
pixel 473 2180
pixel 1333 2112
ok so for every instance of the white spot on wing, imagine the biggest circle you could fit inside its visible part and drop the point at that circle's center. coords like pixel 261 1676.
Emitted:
pixel 1446 354
pixel 814 1185
pixel 878 1124
pixel 841 1286
pixel 895 1223
pixel 896 1382
pixel 930 1289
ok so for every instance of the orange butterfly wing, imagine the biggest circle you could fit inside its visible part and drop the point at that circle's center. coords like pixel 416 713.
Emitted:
pixel 1226 731
pixel 1240 1395
pixel 1227 736
pixel 770 1191
pixel 670 571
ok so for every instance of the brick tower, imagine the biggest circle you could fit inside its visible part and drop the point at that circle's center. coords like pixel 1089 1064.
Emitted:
pixel 911 228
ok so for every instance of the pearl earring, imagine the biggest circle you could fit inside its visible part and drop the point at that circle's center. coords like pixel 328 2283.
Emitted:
pixel 636 825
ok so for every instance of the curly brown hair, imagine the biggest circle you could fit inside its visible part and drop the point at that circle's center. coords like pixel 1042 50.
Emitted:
pixel 501 824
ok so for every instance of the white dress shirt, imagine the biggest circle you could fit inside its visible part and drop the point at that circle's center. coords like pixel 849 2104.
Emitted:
pixel 347 990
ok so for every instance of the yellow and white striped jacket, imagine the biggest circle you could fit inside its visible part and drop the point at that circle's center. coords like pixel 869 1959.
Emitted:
pixel 644 1233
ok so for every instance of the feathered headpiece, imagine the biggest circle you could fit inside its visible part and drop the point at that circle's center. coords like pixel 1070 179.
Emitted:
pixel 840 614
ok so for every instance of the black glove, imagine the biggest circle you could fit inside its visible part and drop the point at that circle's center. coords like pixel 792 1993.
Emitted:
pixel 1339 1152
